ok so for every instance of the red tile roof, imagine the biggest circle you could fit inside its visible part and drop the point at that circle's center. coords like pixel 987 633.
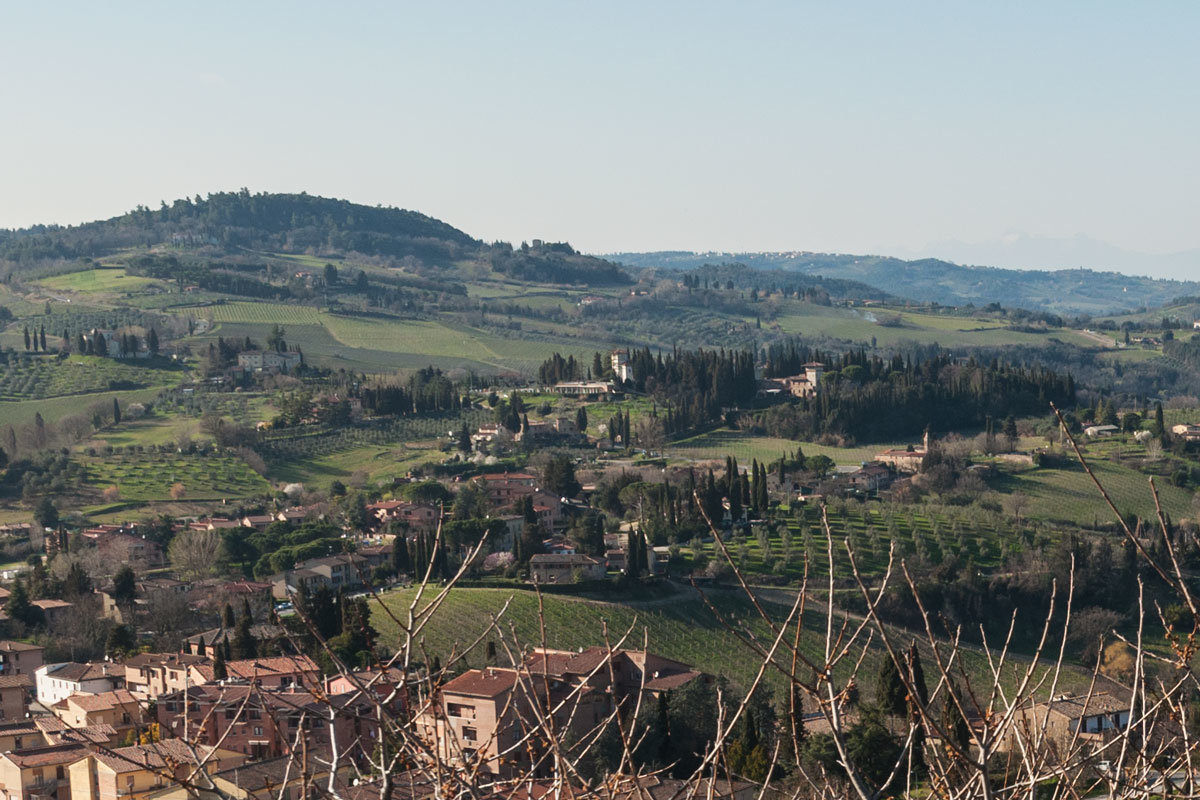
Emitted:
pixel 482 683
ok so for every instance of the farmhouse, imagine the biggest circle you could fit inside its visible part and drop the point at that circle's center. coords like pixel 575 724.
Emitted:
pixel 808 384
pixel 1189 432
pixel 547 568
pixel 269 361
pixel 902 459
pixel 1099 431
pixel 491 432
pixel 620 365
pixel 1095 719
pixel 585 388
pixel 556 430
pixel 504 488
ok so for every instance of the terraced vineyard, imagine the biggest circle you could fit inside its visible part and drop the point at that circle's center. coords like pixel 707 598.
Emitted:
pixel 42 377
pixel 1069 495
pixel 922 532
pixel 149 476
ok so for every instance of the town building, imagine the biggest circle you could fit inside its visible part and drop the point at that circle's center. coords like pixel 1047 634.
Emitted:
pixel 14 696
pixel 40 772
pixel 133 773
pixel 57 681
pixel 481 717
pixel 118 708
pixel 19 658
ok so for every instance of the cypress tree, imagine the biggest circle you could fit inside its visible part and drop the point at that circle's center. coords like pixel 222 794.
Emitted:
pixel 220 672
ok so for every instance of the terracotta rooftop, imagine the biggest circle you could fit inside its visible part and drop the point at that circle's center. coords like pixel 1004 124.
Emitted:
pixel 46 756
pixel 76 672
pixel 10 646
pixel 103 700
pixel 158 756
pixel 15 682
pixel 482 683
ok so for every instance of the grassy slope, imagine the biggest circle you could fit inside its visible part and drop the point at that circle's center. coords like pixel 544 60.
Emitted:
pixel 1069 495
pixel 102 281
pixel 22 412
pixel 679 627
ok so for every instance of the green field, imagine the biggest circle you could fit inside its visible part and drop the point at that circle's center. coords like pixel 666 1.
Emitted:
pixel 860 325
pixel 53 409
pixel 102 280
pixel 380 343
pixel 148 477
pixel 377 463
pixel 718 444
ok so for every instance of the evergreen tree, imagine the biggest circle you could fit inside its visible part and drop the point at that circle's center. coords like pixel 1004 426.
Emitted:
pixel 220 672
pixel 227 618
pixel 152 342
pixel 116 412
pixel 120 642
pixel 19 607
pixel 464 439
pixel 244 644
pixel 46 514
pixel 581 419
pixel 891 694
pixel 401 563
pixel 42 336
pixel 26 330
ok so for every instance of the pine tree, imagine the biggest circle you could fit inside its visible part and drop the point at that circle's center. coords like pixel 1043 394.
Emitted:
pixel 26 337
pixel 227 617
pixel 152 342
pixel 42 335
pixel 116 412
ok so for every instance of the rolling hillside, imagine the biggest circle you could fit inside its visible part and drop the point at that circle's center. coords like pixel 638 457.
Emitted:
pixel 1067 291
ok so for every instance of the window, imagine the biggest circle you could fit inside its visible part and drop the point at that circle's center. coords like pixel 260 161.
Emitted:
pixel 258 731
pixel 469 734
pixel 460 710
pixel 230 713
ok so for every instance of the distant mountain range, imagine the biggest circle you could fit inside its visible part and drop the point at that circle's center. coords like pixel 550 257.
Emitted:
pixel 1066 291
pixel 1017 250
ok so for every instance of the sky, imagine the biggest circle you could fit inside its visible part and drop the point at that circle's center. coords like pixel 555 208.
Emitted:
pixel 907 128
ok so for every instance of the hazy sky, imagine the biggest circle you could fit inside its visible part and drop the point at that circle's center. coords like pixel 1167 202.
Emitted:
pixel 623 126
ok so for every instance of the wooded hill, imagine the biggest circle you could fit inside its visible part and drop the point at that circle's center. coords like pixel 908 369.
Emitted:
pixel 231 222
